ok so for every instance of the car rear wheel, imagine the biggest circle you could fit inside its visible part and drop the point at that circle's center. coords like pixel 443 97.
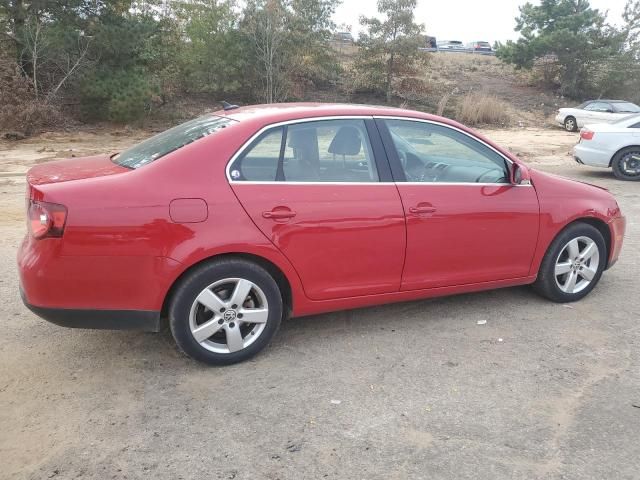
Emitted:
pixel 570 124
pixel 626 164
pixel 225 311
pixel 573 264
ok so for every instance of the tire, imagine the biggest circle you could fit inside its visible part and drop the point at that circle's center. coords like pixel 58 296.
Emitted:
pixel 233 290
pixel 559 254
pixel 626 164
pixel 570 124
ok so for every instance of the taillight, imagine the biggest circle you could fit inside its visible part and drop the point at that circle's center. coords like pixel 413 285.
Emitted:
pixel 586 134
pixel 46 219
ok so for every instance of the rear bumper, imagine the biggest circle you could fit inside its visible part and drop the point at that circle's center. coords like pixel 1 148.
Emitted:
pixel 147 321
pixel 591 156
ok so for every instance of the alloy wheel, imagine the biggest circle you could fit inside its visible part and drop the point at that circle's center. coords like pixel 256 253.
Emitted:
pixel 630 164
pixel 577 265
pixel 570 124
pixel 229 315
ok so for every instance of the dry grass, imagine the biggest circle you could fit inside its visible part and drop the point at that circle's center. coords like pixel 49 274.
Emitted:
pixel 479 109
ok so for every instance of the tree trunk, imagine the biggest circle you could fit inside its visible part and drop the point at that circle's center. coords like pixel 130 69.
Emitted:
pixel 389 76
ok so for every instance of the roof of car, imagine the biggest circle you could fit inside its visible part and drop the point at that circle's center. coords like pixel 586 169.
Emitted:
pixel 254 117
pixel 282 112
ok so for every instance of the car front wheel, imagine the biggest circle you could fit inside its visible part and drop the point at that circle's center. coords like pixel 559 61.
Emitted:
pixel 573 264
pixel 225 311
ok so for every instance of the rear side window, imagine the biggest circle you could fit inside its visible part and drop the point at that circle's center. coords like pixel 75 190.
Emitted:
pixel 315 152
pixel 171 140
pixel 259 163
pixel 637 125
pixel 626 107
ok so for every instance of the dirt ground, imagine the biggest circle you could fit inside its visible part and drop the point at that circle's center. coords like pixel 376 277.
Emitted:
pixel 407 391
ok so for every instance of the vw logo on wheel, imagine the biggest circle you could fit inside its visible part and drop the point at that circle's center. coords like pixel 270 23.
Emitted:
pixel 230 315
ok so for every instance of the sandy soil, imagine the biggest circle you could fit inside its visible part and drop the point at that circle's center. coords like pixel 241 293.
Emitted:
pixel 408 391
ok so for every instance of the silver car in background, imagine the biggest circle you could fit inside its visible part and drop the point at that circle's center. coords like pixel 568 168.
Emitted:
pixel 595 111
pixel 451 46
pixel 615 145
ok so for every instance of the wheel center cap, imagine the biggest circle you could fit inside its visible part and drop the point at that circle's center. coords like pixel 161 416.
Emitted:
pixel 229 315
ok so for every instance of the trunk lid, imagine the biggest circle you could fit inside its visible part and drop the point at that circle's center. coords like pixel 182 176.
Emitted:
pixel 73 169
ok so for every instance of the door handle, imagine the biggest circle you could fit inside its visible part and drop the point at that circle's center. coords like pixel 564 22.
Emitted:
pixel 422 209
pixel 279 214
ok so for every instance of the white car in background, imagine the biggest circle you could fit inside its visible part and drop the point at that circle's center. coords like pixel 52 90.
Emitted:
pixel 614 146
pixel 595 111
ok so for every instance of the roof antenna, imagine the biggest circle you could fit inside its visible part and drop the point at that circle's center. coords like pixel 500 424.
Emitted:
pixel 227 106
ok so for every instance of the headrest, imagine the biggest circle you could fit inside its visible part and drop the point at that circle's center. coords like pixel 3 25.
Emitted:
pixel 346 142
pixel 301 137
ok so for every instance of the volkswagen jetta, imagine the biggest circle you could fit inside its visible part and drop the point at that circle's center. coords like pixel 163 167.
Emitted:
pixel 233 221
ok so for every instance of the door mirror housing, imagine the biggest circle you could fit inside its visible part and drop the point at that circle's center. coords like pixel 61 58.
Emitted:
pixel 519 175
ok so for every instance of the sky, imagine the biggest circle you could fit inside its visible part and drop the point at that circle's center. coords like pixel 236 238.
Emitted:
pixel 465 20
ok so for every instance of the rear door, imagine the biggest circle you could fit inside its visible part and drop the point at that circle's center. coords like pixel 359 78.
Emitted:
pixel 321 191
pixel 466 223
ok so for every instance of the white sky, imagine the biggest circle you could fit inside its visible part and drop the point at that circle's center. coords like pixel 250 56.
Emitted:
pixel 465 20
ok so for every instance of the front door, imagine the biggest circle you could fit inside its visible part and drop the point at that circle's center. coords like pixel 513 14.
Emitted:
pixel 314 189
pixel 466 223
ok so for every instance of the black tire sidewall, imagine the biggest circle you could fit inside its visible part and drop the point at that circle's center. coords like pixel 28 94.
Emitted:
pixel 575 124
pixel 617 171
pixel 203 276
pixel 546 281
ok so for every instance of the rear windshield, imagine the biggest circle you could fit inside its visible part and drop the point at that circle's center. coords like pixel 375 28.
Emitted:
pixel 170 140
pixel 624 107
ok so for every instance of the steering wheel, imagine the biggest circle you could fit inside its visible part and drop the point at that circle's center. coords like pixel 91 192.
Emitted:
pixel 493 170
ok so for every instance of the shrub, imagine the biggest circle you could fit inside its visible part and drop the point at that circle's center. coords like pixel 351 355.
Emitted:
pixel 119 96
pixel 20 113
pixel 479 109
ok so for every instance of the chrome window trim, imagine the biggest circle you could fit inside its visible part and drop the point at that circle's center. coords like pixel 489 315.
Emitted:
pixel 359 117
pixel 461 184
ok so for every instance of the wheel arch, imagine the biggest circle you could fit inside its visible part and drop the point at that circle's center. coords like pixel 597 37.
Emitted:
pixel 276 272
pixel 620 150
pixel 595 222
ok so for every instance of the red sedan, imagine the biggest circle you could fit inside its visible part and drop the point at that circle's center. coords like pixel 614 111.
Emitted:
pixel 233 221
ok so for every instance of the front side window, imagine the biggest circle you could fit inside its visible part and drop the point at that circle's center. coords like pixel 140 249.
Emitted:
pixel 318 151
pixel 435 153
pixel 170 140
pixel 598 107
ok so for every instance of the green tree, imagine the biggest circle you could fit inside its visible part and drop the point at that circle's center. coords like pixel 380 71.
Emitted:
pixel 389 47
pixel 289 45
pixel 575 35
pixel 213 58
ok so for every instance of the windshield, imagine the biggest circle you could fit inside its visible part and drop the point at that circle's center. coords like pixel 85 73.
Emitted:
pixel 170 140
pixel 626 107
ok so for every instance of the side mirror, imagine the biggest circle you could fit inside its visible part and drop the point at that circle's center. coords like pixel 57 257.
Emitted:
pixel 519 175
